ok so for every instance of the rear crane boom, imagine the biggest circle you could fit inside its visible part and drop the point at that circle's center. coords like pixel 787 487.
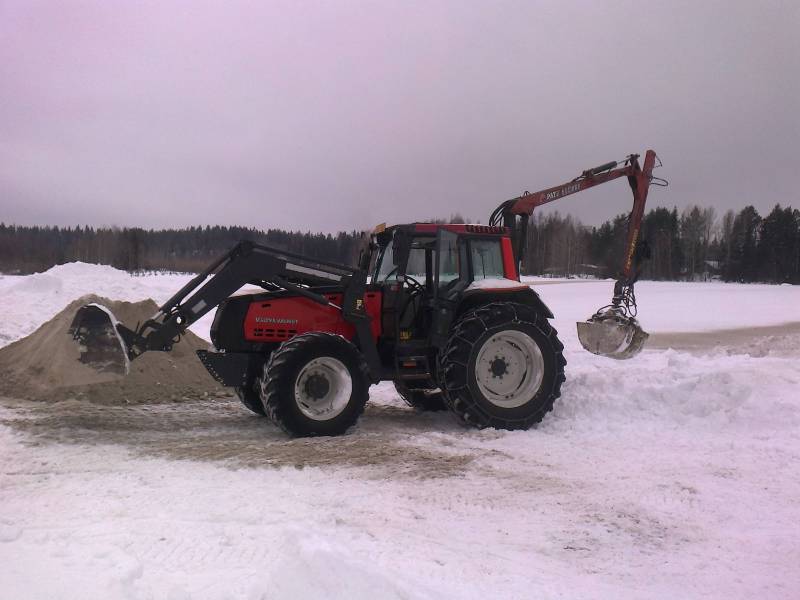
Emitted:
pixel 613 330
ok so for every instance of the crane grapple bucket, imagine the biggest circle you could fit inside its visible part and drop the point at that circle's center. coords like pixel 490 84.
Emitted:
pixel 101 346
pixel 613 335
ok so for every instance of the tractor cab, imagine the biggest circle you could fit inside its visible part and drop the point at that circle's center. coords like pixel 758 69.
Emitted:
pixel 428 274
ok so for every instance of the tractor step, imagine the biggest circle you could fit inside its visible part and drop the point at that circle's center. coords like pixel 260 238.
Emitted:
pixel 414 376
pixel 412 363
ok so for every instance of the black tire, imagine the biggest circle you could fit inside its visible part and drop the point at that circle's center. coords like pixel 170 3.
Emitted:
pixel 457 366
pixel 251 398
pixel 286 364
pixel 424 400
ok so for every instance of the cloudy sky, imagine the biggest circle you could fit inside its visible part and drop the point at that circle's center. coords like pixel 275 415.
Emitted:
pixel 337 115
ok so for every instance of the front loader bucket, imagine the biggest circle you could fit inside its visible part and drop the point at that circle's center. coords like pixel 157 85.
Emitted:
pixel 95 329
pixel 612 335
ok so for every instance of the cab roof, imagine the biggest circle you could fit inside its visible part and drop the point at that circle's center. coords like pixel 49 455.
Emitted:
pixel 454 227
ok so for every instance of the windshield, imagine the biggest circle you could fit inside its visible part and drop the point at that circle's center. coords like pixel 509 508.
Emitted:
pixel 387 270
pixel 385 265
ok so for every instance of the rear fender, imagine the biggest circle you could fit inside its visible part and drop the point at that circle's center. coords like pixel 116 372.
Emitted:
pixel 475 298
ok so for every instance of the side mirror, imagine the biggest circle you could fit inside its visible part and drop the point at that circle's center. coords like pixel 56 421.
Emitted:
pixel 367 248
pixel 401 250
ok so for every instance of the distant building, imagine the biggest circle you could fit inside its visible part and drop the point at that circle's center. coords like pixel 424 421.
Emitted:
pixel 582 270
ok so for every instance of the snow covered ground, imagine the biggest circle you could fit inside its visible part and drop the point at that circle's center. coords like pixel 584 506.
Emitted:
pixel 673 475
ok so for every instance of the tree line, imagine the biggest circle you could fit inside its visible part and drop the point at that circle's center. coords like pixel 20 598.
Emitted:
pixel 695 244
pixel 32 249
pixel 692 245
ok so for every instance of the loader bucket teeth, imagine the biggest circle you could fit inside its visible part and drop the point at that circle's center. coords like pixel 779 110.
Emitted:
pixel 612 335
pixel 101 347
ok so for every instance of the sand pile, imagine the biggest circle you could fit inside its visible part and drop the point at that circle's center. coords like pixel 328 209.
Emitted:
pixel 44 365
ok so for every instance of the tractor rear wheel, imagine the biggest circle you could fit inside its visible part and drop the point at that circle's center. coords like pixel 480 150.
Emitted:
pixel 250 396
pixel 502 367
pixel 421 399
pixel 315 384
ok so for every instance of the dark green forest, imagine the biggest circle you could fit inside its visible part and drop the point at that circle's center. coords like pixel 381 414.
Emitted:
pixel 695 244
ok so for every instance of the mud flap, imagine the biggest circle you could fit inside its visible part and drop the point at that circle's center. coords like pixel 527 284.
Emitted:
pixel 95 329
pixel 612 335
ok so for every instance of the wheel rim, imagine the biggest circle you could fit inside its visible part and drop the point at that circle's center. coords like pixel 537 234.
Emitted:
pixel 323 388
pixel 509 368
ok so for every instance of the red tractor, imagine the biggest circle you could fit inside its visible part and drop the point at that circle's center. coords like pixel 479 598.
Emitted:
pixel 437 309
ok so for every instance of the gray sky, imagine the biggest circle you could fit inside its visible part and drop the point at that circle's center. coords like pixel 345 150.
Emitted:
pixel 339 115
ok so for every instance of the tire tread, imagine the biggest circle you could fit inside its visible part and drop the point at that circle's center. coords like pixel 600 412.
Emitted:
pixel 454 361
pixel 277 372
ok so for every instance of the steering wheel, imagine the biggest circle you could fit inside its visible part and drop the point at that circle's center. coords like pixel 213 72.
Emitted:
pixel 414 284
pixel 416 289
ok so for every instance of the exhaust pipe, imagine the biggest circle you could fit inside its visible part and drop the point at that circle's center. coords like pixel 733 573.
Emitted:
pixel 101 345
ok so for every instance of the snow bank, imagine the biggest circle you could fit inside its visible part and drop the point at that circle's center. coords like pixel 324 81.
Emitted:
pixel 675 390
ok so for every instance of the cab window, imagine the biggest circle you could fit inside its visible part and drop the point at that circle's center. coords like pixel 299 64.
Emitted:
pixel 449 259
pixel 487 259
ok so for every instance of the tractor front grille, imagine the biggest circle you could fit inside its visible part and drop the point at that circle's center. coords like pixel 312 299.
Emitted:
pixel 274 335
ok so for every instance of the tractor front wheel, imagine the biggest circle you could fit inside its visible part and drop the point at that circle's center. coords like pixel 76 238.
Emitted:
pixel 502 367
pixel 315 384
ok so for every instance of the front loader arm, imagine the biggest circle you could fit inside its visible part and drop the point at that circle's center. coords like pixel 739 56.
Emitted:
pixel 246 263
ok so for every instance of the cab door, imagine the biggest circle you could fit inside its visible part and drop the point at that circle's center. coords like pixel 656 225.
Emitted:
pixel 450 280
